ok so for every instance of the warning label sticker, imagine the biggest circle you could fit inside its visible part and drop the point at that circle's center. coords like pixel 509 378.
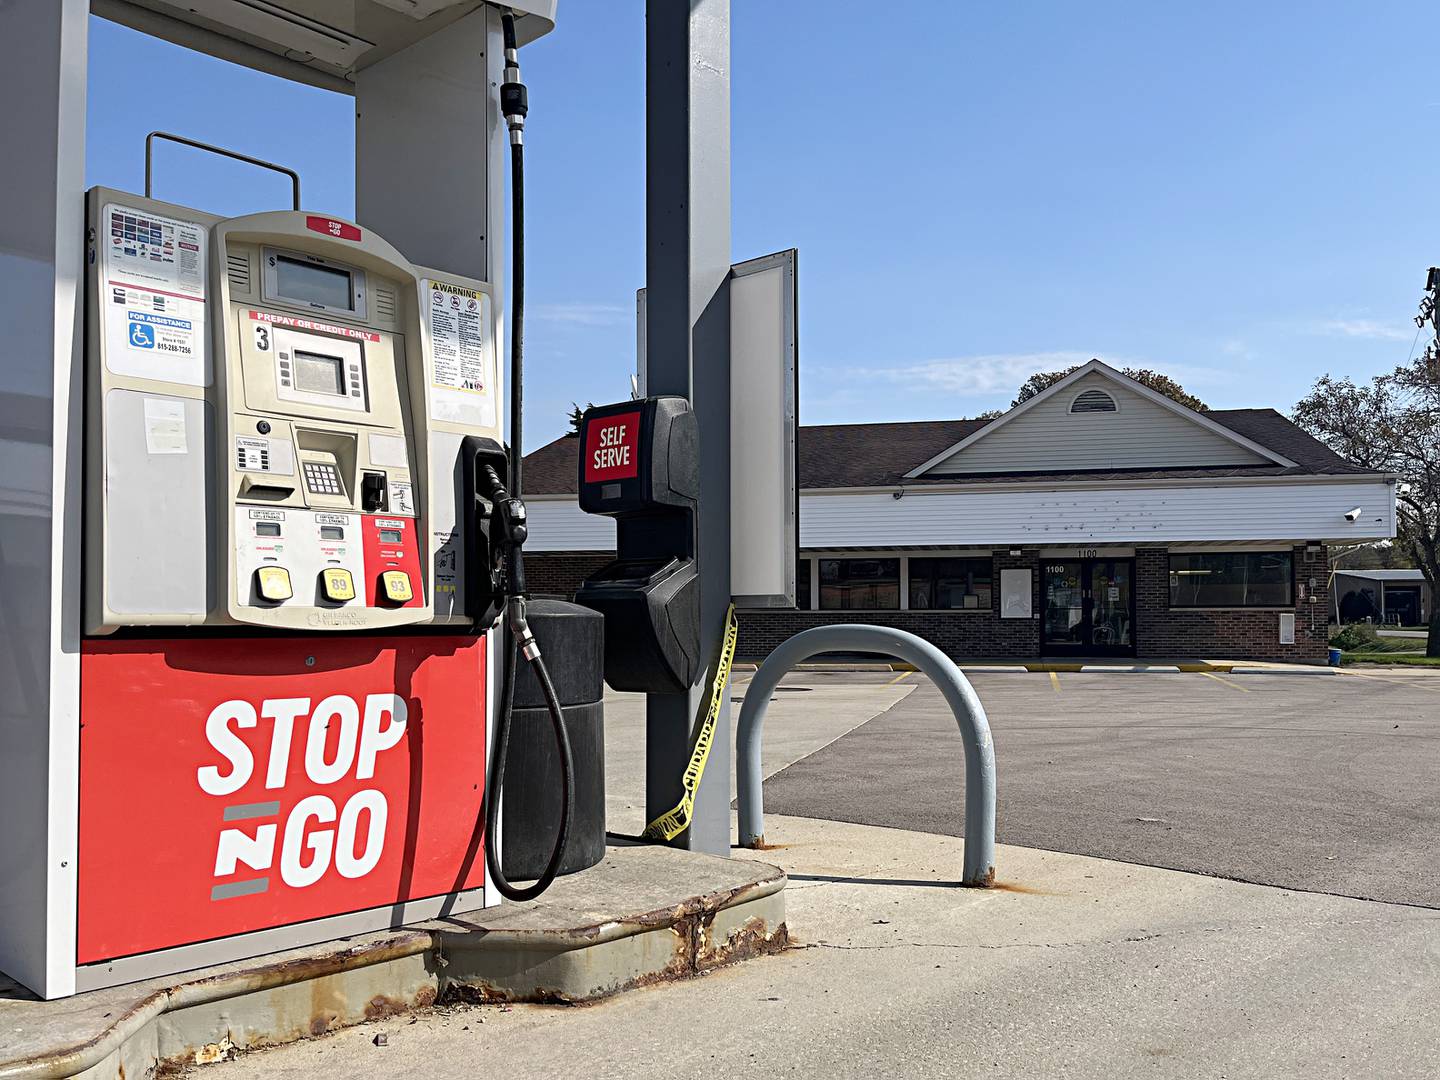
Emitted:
pixel 457 319
pixel 457 336
pixel 153 295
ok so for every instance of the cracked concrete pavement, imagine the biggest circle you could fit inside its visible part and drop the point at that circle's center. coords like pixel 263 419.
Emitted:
pixel 1075 966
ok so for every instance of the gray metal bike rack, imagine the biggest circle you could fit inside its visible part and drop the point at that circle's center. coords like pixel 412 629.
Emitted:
pixel 979 870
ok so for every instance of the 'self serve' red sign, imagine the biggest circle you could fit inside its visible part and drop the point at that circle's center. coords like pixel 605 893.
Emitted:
pixel 612 447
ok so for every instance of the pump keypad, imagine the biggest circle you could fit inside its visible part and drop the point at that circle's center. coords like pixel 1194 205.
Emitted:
pixel 322 478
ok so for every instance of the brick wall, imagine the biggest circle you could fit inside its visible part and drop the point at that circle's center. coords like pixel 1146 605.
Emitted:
pixel 1234 633
pixel 958 633
pixel 560 573
pixel 1159 631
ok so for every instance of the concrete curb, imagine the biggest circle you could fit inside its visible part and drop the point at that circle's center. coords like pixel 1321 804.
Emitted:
pixel 585 946
pixel 1040 667
pixel 1310 672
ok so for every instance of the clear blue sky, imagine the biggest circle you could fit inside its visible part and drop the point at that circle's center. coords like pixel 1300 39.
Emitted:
pixel 1241 195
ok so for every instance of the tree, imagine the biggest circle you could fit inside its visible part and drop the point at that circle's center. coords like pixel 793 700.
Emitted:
pixel 1392 425
pixel 577 414
pixel 1161 384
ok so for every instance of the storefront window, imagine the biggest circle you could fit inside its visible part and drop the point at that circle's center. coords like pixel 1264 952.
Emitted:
pixel 802 584
pixel 950 584
pixel 850 584
pixel 1232 579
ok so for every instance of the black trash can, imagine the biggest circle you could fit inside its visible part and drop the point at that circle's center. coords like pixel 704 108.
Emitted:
pixel 572 644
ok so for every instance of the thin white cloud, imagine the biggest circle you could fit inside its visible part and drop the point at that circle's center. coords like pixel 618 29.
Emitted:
pixel 995 373
pixel 1365 328
pixel 577 313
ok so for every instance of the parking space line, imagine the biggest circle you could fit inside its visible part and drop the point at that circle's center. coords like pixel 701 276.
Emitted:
pixel 1227 682
pixel 1396 682
pixel 897 678
pixel 1055 681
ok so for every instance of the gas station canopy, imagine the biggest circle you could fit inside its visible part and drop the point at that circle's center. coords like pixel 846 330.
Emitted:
pixel 321 42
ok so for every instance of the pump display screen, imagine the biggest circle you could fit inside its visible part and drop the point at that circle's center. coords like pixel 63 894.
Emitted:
pixel 391 536
pixel 267 528
pixel 319 374
pixel 313 284
pixel 331 532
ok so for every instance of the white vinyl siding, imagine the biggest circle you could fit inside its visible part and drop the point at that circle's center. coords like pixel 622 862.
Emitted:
pixel 1097 515
pixel 1139 435
pixel 1046 517
pixel 560 525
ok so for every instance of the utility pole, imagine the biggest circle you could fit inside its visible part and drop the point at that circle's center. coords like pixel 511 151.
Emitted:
pixel 1431 356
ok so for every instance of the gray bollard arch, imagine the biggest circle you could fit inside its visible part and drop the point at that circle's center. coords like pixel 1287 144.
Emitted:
pixel 979 869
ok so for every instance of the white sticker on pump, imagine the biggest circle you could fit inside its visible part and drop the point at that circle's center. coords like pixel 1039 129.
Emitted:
pixel 153 295
pixel 462 381
pixel 165 426
pixel 254 454
pixel 402 498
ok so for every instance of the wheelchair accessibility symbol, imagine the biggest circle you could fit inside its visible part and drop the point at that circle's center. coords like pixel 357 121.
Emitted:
pixel 142 335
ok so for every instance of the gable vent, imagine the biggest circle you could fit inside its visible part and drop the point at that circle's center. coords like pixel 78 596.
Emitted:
pixel 237 269
pixel 1093 401
pixel 385 303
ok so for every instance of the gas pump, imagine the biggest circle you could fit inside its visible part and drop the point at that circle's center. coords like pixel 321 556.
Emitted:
pixel 301 526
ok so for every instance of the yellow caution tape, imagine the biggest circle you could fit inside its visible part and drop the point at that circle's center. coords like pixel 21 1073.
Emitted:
pixel 672 823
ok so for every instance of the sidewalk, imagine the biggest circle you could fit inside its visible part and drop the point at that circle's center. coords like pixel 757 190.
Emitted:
pixel 1074 967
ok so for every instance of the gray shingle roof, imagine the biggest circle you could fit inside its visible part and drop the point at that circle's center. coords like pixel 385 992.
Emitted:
pixel 879 455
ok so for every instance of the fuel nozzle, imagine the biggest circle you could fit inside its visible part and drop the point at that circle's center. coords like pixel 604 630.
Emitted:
pixel 509 512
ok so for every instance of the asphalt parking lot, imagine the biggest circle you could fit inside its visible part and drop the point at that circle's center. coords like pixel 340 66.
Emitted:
pixel 1326 784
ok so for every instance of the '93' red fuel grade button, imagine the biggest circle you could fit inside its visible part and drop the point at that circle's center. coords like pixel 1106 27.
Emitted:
pixel 612 445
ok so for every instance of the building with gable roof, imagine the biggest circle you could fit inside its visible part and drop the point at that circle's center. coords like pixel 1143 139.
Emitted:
pixel 1098 518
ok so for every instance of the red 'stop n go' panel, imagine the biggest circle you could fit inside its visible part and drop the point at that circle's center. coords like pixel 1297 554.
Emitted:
pixel 232 785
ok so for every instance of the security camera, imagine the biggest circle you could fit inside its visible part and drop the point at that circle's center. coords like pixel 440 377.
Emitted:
pixel 1353 515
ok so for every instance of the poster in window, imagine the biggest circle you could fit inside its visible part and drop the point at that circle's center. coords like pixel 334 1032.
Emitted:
pixel 1015 594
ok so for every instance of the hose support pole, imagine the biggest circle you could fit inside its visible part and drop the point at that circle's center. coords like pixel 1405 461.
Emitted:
pixel 509 511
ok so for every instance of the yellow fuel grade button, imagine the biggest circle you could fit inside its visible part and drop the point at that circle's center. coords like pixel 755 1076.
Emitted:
pixel 396 585
pixel 273 583
pixel 337 584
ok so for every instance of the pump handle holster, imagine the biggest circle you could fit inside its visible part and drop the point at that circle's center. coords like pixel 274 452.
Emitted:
pixel 484 569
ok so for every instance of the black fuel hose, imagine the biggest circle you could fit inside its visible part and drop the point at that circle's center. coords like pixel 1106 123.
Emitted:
pixel 514 105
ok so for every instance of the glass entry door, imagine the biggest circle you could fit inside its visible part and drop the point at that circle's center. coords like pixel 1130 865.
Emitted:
pixel 1089 607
